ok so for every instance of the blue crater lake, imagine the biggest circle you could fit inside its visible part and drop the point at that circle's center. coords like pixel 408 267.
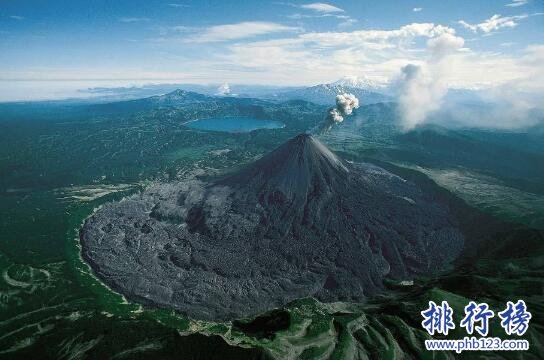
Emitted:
pixel 233 124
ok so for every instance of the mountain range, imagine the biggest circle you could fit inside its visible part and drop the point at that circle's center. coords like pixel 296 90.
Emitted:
pixel 367 91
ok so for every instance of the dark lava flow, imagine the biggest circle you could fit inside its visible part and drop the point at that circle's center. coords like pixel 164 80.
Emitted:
pixel 298 222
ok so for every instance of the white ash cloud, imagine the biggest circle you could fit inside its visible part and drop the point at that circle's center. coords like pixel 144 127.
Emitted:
pixel 422 87
pixel 335 115
pixel 420 95
pixel 223 90
pixel 345 104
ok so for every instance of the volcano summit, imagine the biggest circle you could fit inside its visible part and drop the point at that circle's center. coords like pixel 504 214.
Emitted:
pixel 298 222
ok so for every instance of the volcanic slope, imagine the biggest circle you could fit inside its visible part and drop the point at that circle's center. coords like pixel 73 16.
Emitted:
pixel 298 222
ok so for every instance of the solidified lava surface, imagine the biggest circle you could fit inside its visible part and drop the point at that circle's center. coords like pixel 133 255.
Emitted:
pixel 298 222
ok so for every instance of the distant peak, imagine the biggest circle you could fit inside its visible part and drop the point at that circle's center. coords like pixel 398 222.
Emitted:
pixel 178 92
pixel 179 96
pixel 356 82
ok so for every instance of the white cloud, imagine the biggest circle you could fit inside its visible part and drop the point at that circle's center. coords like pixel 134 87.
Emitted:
pixel 238 31
pixel 318 57
pixel 346 22
pixel 322 8
pixel 310 58
pixel 495 22
pixel 516 3
pixel 133 19
pixel 179 28
pixel 417 9
pixel 444 44
pixel 513 92
pixel 17 17
pixel 364 37
pixel 516 95
pixel 175 5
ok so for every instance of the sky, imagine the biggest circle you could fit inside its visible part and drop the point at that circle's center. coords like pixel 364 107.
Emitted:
pixel 487 44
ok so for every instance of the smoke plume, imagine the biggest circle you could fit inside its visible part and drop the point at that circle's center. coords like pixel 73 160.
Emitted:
pixel 345 104
pixel 421 93
pixel 423 87
pixel 335 115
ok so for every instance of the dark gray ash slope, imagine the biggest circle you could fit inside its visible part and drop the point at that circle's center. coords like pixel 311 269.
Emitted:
pixel 298 222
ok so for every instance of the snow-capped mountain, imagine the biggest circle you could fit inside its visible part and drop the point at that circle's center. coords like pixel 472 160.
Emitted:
pixel 358 83
pixel 366 90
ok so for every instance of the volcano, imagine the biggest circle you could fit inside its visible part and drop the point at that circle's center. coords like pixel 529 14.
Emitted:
pixel 298 222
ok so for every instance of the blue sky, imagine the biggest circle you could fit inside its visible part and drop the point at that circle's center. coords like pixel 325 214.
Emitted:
pixel 487 43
